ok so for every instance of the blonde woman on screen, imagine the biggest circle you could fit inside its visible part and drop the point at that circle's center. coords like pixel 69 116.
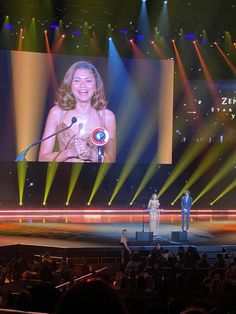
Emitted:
pixel 154 214
pixel 80 97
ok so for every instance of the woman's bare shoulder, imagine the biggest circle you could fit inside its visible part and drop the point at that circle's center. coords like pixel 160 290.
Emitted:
pixel 109 115
pixel 55 110
pixel 55 113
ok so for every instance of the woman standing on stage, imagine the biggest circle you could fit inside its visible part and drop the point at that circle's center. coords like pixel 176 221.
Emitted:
pixel 154 214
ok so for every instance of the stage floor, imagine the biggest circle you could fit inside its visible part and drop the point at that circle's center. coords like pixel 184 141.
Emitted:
pixel 94 235
pixel 101 227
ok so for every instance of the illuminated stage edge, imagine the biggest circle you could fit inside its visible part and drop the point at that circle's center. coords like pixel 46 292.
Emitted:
pixel 109 215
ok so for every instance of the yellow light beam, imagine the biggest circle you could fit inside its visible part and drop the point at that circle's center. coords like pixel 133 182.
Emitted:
pixel 191 152
pixel 135 152
pixel 61 26
pixel 205 164
pixel 29 97
pixel 147 177
pixel 75 172
pixel 51 171
pixel 21 171
pixel 218 176
pixel 32 41
pixel 6 20
pixel 100 176
pixel 229 188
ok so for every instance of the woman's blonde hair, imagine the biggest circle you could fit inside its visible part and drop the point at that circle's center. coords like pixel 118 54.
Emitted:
pixel 66 100
pixel 153 195
pixel 124 232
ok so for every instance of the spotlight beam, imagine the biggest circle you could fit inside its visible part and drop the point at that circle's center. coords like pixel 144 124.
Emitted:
pixel 116 72
pixel 57 46
pixel 75 172
pixel 185 81
pixel 163 20
pixel 207 74
pixel 103 169
pixel 47 42
pixel 218 176
pixel 158 50
pixel 147 177
pixel 144 24
pixel 21 171
pixel 206 163
pixel 51 172
pixel 191 152
pixel 229 63
pixel 135 152
pixel 20 40
pixel 29 97
pixel 229 188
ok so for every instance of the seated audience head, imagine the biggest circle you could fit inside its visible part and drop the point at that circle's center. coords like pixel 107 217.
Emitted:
pixel 194 310
pixel 135 257
pixel 91 297
pixel 46 257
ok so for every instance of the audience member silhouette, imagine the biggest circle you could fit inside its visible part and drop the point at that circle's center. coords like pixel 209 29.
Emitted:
pixel 93 296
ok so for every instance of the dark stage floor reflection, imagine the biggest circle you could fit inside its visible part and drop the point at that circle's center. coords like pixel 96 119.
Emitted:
pixel 89 235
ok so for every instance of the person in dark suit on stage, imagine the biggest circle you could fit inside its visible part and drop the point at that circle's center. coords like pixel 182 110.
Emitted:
pixel 186 204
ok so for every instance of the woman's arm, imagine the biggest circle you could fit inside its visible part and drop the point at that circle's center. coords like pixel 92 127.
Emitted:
pixel 46 152
pixel 110 147
pixel 124 241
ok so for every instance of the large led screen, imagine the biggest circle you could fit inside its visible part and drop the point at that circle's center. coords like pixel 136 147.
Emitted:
pixel 101 109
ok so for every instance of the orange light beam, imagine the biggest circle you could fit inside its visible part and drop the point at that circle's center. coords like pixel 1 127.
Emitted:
pixel 47 42
pixel 158 51
pixel 230 64
pixel 207 74
pixel 95 44
pixel 58 44
pixel 187 87
pixel 52 75
pixel 20 40
pixel 136 51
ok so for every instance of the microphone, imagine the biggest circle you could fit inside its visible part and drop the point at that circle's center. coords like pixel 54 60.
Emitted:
pixel 100 137
pixel 22 155
pixel 73 120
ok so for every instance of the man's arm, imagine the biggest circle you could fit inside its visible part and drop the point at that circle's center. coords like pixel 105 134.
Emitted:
pixel 182 202
pixel 190 203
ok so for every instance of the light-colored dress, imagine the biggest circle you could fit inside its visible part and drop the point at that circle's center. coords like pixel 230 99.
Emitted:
pixel 154 216
pixel 79 132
